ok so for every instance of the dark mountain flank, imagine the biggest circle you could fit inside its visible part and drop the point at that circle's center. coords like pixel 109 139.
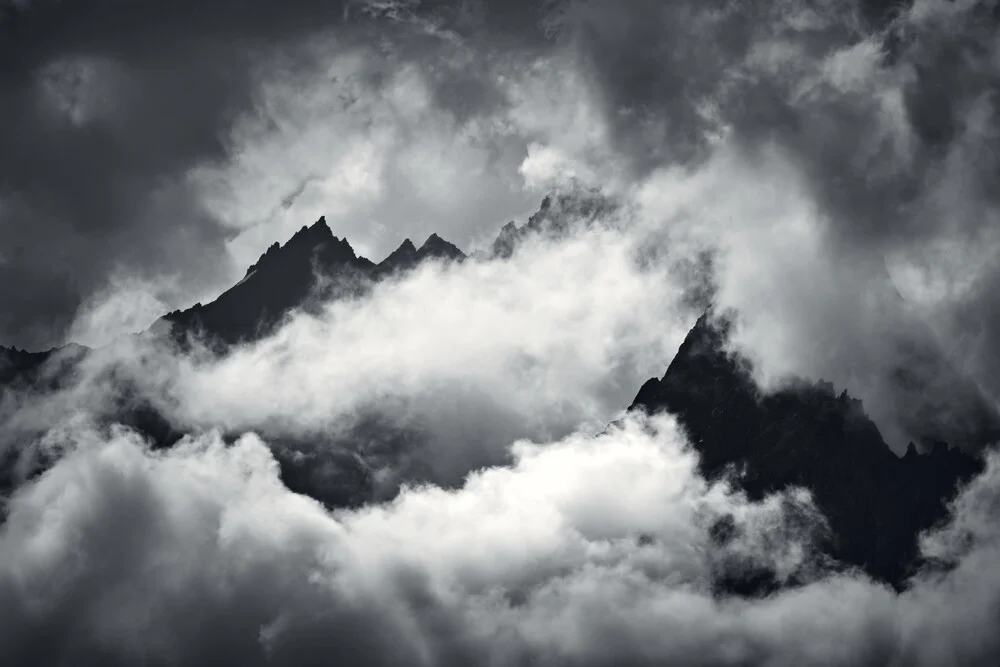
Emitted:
pixel 808 436
pixel 314 266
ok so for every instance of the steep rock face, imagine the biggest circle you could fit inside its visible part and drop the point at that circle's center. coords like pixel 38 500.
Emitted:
pixel 808 436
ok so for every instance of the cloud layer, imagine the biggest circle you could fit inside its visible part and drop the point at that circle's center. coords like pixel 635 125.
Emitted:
pixel 463 357
pixel 587 551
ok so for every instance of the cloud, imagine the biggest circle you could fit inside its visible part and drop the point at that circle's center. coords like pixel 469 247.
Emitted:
pixel 428 376
pixel 802 310
pixel 217 532
pixel 200 555
pixel 469 356
pixel 387 142
pixel 125 307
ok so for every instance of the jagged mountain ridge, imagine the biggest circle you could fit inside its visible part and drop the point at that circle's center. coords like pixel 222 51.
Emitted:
pixel 311 267
pixel 284 278
pixel 314 265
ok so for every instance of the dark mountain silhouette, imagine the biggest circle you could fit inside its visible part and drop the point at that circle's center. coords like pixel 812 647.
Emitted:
pixel 408 256
pixel 282 279
pixel 808 436
pixel 314 266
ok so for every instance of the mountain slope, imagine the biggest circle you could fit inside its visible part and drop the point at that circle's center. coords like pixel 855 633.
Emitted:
pixel 808 436
pixel 312 267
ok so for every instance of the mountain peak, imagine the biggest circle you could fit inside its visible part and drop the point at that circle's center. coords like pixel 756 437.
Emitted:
pixel 508 237
pixel 283 278
pixel 435 246
pixel 407 255
pixel 404 254
pixel 309 236
pixel 315 232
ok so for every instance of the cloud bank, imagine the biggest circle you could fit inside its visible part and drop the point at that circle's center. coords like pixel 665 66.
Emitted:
pixel 586 551
pixel 463 357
